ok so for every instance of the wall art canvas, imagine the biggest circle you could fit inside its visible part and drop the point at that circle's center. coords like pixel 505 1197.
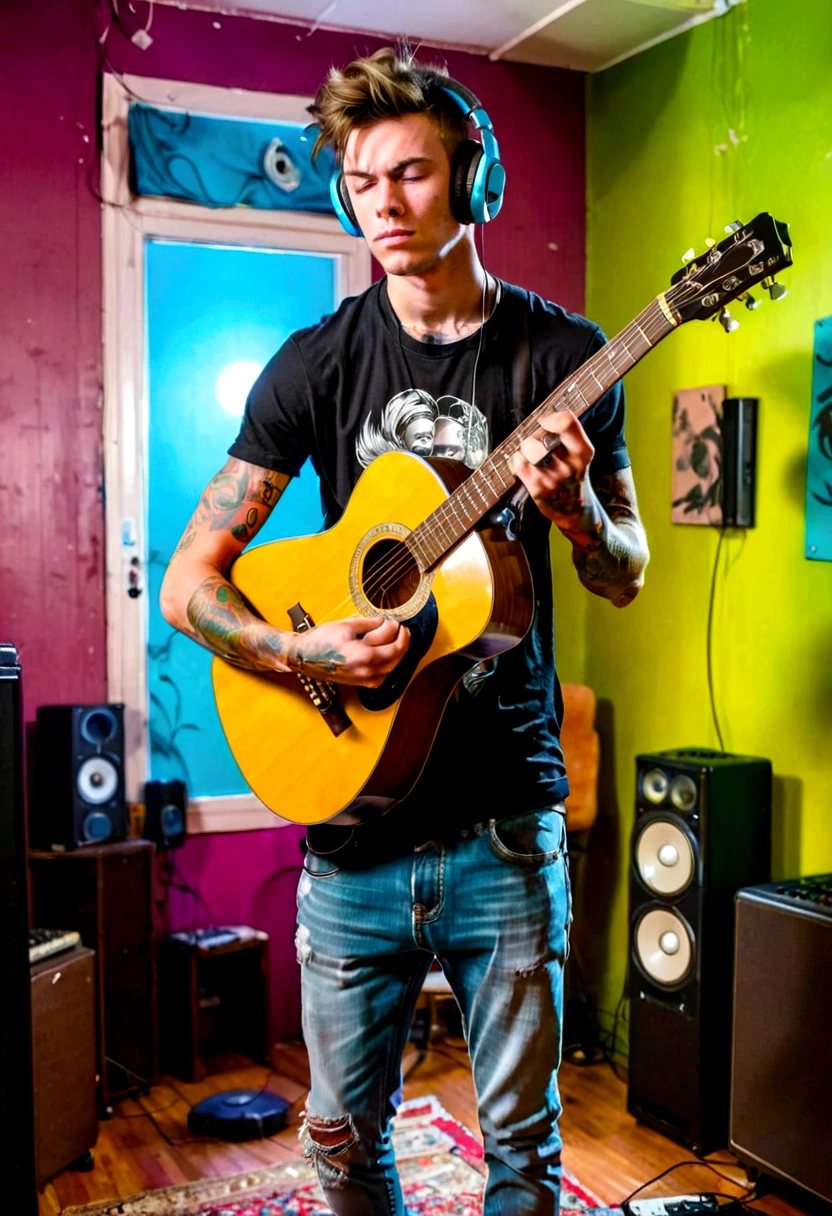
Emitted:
pixel 819 460
pixel 696 482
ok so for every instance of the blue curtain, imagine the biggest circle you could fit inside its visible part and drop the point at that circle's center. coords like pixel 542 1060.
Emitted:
pixel 226 162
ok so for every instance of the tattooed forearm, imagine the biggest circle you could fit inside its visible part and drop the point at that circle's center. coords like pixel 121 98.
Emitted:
pixel 237 500
pixel 609 547
pixel 221 621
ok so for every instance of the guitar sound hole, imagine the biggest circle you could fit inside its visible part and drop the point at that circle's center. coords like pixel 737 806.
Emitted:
pixel 390 575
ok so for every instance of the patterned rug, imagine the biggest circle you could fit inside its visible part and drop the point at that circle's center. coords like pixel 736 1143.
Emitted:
pixel 440 1165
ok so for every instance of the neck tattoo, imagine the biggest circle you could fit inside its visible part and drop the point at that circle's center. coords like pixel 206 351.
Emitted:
pixel 438 337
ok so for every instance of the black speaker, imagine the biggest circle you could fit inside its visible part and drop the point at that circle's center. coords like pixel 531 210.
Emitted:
pixel 166 809
pixel 16 1077
pixel 79 776
pixel 702 830
pixel 739 461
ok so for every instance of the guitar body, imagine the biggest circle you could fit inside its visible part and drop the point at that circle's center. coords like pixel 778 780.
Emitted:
pixel 311 765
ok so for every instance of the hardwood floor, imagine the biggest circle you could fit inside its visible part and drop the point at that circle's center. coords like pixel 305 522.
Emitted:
pixel 147 1144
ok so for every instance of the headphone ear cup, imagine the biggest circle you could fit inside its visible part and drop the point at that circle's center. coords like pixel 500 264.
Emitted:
pixel 339 194
pixel 463 175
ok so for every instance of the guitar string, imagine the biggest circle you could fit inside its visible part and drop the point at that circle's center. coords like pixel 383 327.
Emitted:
pixel 447 511
pixel 387 572
pixel 397 565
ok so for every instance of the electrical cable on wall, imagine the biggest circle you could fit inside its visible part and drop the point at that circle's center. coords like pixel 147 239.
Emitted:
pixel 709 643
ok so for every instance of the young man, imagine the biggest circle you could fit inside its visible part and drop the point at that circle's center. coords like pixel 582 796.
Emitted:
pixel 438 357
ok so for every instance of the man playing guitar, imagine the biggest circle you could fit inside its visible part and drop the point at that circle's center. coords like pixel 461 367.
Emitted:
pixel 438 358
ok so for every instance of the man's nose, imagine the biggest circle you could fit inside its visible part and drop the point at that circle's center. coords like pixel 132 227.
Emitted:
pixel 389 201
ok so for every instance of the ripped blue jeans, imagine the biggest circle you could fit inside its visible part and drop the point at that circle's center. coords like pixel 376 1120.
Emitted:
pixel 495 910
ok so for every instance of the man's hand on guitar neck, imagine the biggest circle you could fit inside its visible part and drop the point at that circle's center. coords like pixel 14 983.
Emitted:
pixel 600 519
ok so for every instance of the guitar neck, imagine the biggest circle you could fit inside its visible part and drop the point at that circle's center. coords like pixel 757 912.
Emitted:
pixel 480 493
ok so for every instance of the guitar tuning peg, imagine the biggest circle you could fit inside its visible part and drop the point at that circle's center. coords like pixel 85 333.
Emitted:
pixel 728 323
pixel 776 290
pixel 688 255
pixel 751 302
pixel 734 226
pixel 710 242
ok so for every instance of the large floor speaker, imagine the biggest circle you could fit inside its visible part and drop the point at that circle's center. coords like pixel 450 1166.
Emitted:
pixel 79 776
pixel 702 830
pixel 781 1075
pixel 16 1104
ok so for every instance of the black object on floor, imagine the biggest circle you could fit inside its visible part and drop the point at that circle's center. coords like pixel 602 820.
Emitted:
pixel 239 1114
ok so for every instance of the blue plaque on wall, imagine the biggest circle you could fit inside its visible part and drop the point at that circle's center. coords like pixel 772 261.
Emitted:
pixel 819 463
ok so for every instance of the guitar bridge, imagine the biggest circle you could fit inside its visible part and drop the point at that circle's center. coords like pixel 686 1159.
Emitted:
pixel 323 695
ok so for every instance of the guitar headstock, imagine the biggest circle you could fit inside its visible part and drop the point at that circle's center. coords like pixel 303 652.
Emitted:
pixel 751 254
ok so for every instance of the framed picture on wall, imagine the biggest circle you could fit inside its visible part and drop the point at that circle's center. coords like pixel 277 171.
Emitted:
pixel 696 482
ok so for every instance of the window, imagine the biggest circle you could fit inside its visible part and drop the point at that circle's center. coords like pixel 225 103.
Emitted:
pixel 196 300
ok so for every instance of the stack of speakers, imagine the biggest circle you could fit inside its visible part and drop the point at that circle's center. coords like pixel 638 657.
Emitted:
pixel 702 831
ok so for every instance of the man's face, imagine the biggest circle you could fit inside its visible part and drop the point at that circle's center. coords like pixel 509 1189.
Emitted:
pixel 398 175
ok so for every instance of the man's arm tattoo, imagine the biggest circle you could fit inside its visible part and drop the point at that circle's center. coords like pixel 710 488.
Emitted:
pixel 238 500
pixel 221 621
pixel 609 547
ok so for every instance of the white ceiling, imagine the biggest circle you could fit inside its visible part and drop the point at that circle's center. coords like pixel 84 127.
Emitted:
pixel 587 35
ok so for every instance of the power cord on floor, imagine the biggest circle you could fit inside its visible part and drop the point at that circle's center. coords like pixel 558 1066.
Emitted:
pixel 742 1200
pixel 179 1097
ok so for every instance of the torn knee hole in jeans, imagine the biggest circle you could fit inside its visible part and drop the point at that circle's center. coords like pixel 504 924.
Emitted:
pixel 327 1141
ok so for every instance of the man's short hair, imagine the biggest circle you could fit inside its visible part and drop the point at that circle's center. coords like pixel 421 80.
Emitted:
pixel 384 85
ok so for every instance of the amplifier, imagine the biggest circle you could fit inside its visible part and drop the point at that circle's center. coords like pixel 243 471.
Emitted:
pixel 781 1072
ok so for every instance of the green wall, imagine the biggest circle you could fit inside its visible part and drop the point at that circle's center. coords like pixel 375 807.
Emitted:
pixel 655 187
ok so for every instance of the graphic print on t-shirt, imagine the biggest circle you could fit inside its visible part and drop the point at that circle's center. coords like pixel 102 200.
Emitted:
pixel 414 421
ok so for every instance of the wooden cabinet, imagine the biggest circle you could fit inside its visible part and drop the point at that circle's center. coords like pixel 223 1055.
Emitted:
pixel 105 893
pixel 63 1059
pixel 212 998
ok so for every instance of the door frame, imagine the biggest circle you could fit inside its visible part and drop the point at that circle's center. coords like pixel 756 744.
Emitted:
pixel 128 222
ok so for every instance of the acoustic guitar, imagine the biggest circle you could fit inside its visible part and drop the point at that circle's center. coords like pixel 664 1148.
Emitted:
pixel 419 543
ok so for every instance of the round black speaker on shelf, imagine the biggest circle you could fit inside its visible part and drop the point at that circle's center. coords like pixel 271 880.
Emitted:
pixel 239 1114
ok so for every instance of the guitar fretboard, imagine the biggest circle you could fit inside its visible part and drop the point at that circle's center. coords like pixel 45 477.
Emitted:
pixel 479 493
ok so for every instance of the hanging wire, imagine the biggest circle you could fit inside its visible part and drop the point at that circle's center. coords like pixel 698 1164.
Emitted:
pixel 709 643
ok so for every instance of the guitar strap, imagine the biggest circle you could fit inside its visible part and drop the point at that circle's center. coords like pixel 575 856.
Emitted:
pixel 521 385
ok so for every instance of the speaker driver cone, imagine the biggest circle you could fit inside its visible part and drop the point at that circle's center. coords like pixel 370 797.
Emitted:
pixel 663 945
pixel 654 785
pixel 97 780
pixel 664 857
pixel 683 792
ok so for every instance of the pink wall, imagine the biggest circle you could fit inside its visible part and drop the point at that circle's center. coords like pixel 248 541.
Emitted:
pixel 51 493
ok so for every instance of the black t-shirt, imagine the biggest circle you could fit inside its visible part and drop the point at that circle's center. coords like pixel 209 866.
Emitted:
pixel 342 392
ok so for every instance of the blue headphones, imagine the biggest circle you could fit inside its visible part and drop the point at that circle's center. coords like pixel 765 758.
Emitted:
pixel 478 179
